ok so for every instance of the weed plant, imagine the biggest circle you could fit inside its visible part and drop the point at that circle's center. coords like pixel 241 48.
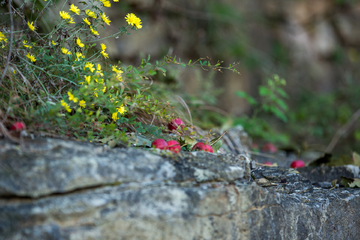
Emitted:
pixel 62 81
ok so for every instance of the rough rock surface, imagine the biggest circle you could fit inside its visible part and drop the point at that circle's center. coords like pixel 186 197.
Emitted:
pixel 56 189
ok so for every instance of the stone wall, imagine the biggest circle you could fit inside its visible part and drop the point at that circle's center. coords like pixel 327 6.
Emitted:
pixel 57 189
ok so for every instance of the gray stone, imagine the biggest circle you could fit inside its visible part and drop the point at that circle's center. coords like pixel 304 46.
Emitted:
pixel 140 195
pixel 328 174
pixel 48 166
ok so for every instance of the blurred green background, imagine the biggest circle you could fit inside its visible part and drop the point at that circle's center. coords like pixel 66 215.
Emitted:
pixel 313 45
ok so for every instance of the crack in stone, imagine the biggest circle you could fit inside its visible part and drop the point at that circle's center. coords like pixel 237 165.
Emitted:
pixel 262 207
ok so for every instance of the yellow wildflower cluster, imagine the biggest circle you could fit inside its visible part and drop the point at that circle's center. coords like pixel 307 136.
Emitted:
pixel 105 19
pixel 66 16
pixel 66 51
pixel 65 105
pixel 90 66
pixel 31 57
pixel 99 71
pixel 87 79
pixel 94 31
pixel 25 43
pixel 82 103
pixel 79 56
pixel 72 98
pixel 79 43
pixel 86 21
pixel 74 9
pixel 103 47
pixel 3 38
pixel 91 14
pixel 118 72
pixel 120 110
pixel 133 20
pixel 31 26
pixel 106 3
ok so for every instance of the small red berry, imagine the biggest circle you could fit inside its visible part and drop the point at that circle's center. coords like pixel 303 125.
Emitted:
pixel 160 144
pixel 270 148
pixel 175 123
pixel 297 164
pixel 18 126
pixel 198 146
pixel 173 146
pixel 202 147
pixel 268 163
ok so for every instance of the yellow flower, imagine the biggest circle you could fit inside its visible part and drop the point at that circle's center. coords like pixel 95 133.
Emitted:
pixel 106 3
pixel 87 79
pixel 104 89
pixel 105 55
pixel 53 43
pixel 91 14
pixel 31 26
pixel 94 31
pixel 79 43
pixel 105 19
pixel 74 9
pixel 72 98
pixel 70 20
pixel 132 20
pixel 114 68
pixel 90 66
pixel 31 57
pixel 96 95
pixel 78 56
pixel 121 110
pixel 86 21
pixel 82 103
pixel 26 44
pixel 2 37
pixel 66 51
pixel 116 0
pixel 103 46
pixel 99 70
pixel 64 15
pixel 115 116
pixel 119 77
pixel 65 105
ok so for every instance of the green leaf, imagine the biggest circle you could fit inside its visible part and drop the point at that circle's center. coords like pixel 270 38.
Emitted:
pixel 217 146
pixel 264 91
pixel 282 104
pixel 248 98
pixel 152 72
pixel 278 113
pixel 183 65
pixel 350 182
pixel 189 141
pixel 282 93
pixel 128 69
